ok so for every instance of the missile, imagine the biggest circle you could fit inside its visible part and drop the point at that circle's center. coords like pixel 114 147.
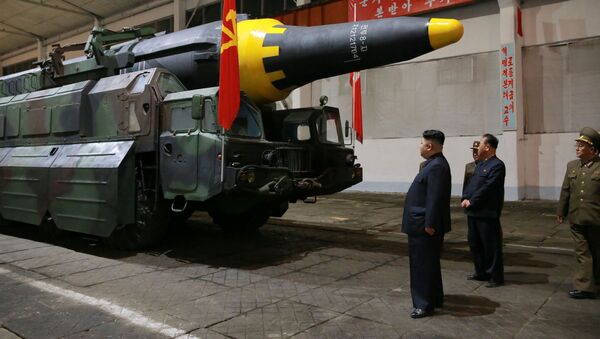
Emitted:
pixel 274 58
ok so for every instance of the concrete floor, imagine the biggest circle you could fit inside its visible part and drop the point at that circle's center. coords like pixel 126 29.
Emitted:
pixel 294 278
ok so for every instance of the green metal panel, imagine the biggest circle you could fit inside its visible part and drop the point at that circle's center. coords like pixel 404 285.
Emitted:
pixel 92 187
pixel 2 120
pixel 24 183
pixel 35 121
pixel 13 118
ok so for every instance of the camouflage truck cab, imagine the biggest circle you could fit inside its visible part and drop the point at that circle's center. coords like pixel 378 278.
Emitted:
pixel 270 158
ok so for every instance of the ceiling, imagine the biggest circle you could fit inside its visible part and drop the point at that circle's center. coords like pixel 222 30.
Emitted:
pixel 22 22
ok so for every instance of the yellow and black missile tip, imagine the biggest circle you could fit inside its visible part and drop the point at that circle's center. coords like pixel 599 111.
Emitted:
pixel 443 32
pixel 275 58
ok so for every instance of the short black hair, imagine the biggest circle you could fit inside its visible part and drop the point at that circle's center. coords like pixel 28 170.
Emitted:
pixel 491 140
pixel 434 134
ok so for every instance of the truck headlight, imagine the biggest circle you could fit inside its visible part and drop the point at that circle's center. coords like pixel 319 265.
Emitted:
pixel 350 159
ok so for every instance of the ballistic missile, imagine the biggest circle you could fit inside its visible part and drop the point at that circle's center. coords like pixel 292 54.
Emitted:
pixel 274 58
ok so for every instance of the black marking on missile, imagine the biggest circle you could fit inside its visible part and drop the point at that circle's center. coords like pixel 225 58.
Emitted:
pixel 270 63
pixel 310 53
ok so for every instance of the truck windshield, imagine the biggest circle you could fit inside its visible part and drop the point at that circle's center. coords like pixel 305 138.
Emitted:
pixel 247 123
pixel 329 128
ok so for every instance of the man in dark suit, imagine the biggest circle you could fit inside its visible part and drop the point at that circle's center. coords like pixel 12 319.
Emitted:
pixel 483 199
pixel 425 220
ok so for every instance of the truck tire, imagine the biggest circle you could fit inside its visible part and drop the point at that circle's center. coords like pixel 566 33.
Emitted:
pixel 245 222
pixel 150 223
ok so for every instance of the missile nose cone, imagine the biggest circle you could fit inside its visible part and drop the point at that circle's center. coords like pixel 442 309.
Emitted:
pixel 444 32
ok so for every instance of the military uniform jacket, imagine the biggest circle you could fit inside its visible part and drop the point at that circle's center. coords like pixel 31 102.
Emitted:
pixel 469 170
pixel 580 193
pixel 428 199
pixel 485 190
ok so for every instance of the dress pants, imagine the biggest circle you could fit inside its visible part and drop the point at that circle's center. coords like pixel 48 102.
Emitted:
pixel 485 241
pixel 587 252
pixel 425 271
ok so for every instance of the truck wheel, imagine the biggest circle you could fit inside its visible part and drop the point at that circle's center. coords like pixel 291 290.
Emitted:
pixel 245 222
pixel 150 224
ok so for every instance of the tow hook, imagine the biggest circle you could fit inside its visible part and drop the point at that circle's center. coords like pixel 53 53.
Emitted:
pixel 177 202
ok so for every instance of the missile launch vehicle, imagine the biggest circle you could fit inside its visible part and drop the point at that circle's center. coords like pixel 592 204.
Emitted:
pixel 124 141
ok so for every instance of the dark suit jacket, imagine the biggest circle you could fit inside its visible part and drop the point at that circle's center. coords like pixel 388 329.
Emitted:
pixel 485 190
pixel 428 199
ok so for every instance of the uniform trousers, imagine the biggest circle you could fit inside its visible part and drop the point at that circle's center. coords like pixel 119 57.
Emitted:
pixel 425 271
pixel 587 253
pixel 485 242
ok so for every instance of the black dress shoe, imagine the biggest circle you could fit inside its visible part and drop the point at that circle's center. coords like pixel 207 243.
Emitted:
pixel 493 283
pixel 477 277
pixel 419 313
pixel 577 294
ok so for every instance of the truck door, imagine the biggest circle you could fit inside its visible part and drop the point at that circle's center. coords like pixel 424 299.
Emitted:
pixel 179 151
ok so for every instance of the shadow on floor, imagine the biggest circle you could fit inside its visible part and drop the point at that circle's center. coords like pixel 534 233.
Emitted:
pixel 523 278
pixel 459 305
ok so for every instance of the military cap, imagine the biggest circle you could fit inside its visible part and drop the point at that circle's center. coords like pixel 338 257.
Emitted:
pixel 475 145
pixel 589 136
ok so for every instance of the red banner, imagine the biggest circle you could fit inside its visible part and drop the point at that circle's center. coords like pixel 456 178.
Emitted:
pixel 379 9
pixel 229 70
pixel 356 105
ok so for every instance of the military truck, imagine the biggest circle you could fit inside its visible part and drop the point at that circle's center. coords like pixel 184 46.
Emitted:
pixel 124 141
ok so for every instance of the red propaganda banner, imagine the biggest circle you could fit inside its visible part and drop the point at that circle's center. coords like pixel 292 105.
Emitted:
pixel 229 71
pixel 507 69
pixel 379 9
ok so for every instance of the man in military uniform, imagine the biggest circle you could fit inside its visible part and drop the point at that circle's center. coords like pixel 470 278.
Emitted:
pixel 580 202
pixel 470 167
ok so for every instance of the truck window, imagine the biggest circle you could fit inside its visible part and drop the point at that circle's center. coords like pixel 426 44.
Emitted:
pixel 168 83
pixel 181 119
pixel 293 132
pixel 246 123
pixel 329 128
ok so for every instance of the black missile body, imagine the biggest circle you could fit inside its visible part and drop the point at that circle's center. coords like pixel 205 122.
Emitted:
pixel 274 58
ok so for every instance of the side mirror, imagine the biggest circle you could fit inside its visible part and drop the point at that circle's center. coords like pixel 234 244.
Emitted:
pixel 197 107
pixel 347 128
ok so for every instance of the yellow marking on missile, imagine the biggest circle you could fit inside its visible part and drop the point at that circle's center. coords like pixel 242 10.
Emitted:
pixel 444 32
pixel 231 35
pixel 277 75
pixel 270 51
pixel 254 80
